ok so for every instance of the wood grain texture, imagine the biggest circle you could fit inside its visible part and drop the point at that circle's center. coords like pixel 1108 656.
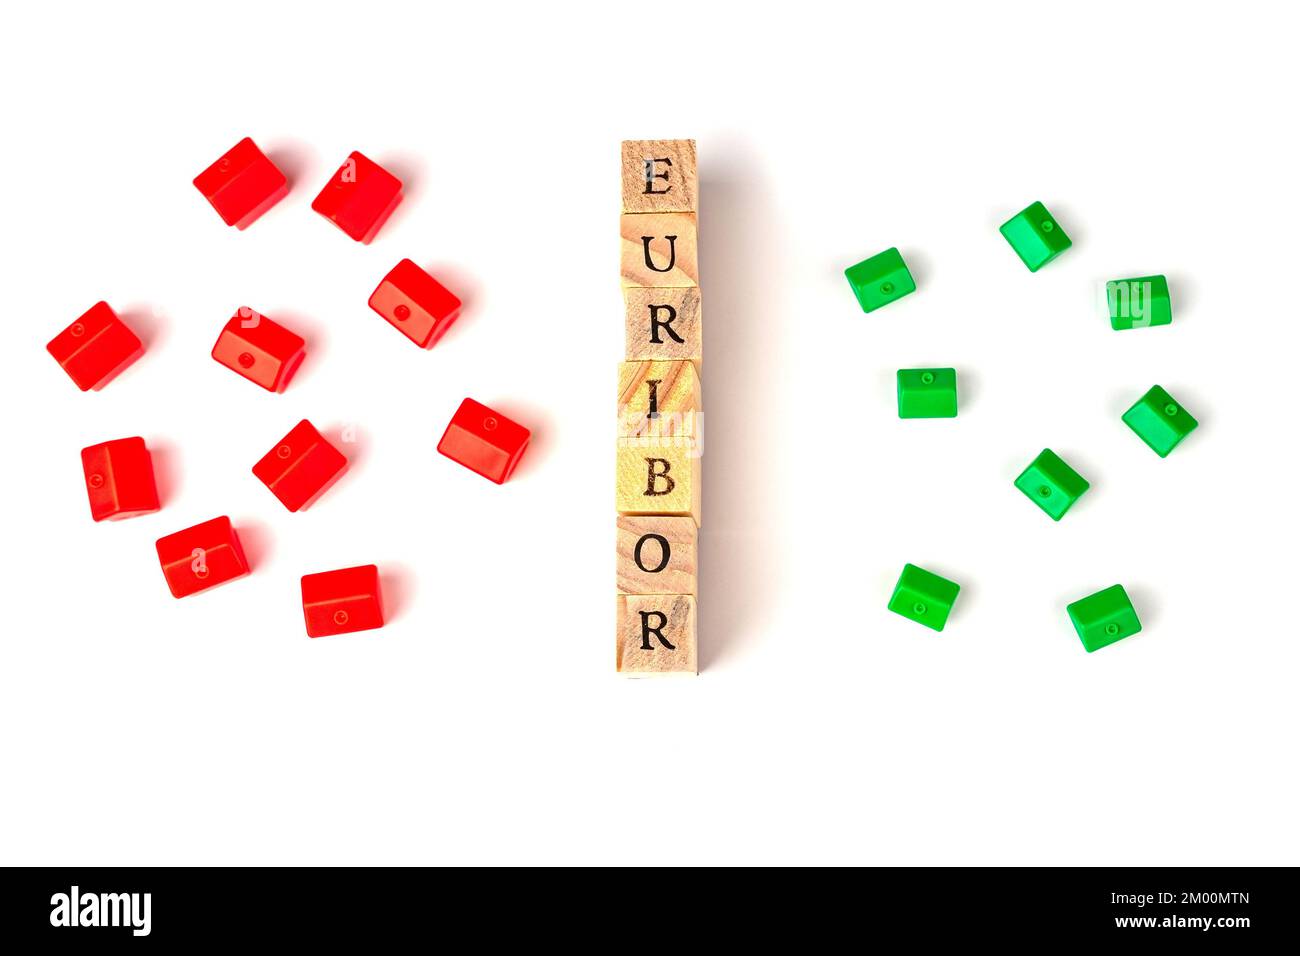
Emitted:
pixel 658 477
pixel 659 175
pixel 663 324
pixel 655 635
pixel 659 250
pixel 656 555
pixel 658 400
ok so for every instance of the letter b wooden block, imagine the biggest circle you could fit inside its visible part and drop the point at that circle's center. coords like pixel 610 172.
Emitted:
pixel 658 477
pixel 656 634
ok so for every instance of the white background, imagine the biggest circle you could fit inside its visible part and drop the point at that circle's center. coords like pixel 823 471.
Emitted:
pixel 485 722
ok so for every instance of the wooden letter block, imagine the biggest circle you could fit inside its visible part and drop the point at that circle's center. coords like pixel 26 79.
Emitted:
pixel 656 555
pixel 656 634
pixel 658 477
pixel 658 400
pixel 659 175
pixel 663 324
pixel 659 250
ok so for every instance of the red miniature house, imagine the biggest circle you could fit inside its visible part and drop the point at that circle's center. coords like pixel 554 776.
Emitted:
pixel 242 184
pixel 201 557
pixel 95 348
pixel 484 441
pixel 415 303
pixel 300 467
pixel 119 479
pixel 260 350
pixel 359 197
pixel 339 602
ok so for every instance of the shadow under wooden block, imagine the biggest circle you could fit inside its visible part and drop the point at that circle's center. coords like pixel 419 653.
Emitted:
pixel 656 555
pixel 659 250
pixel 663 324
pixel 658 477
pixel 659 175
pixel 658 400
pixel 656 635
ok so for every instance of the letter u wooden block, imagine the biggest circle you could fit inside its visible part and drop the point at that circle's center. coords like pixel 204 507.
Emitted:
pixel 658 476
pixel 659 250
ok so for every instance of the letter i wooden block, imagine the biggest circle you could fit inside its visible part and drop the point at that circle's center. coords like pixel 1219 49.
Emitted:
pixel 659 441
pixel 658 400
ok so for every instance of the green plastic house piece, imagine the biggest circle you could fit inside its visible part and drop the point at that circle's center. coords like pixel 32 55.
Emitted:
pixel 1159 420
pixel 927 393
pixel 924 597
pixel 1138 303
pixel 1035 235
pixel 1051 484
pixel 1104 618
pixel 880 280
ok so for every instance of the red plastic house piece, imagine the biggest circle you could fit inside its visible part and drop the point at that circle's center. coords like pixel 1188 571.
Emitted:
pixel 201 557
pixel 359 197
pixel 415 303
pixel 119 479
pixel 259 349
pixel 300 467
pixel 484 441
pixel 337 602
pixel 95 348
pixel 242 184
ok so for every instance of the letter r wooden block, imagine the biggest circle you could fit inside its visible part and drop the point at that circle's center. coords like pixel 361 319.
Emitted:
pixel 658 477
pixel 659 250
pixel 656 635
pixel 658 400
pixel 663 324
pixel 656 555
pixel 659 175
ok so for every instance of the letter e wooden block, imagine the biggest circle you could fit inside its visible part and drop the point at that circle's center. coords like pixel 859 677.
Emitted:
pixel 656 635
pixel 659 175
pixel 663 324
pixel 656 555
pixel 659 250
pixel 658 477
pixel 658 400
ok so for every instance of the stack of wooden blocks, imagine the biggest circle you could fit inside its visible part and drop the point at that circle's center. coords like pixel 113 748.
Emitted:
pixel 660 431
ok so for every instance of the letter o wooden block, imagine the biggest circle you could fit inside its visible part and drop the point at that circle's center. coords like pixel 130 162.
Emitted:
pixel 656 555
pixel 656 635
